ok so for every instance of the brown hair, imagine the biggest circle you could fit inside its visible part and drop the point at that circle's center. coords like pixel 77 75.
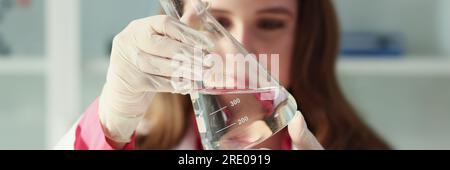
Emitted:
pixel 329 115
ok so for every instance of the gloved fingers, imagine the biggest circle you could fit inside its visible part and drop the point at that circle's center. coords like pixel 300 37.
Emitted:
pixel 176 29
pixel 166 67
pixel 168 84
pixel 168 26
pixel 300 135
pixel 166 47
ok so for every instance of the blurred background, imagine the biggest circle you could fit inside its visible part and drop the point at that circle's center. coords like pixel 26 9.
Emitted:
pixel 394 65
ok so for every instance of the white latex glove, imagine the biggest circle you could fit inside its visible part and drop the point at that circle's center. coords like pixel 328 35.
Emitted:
pixel 142 63
pixel 300 135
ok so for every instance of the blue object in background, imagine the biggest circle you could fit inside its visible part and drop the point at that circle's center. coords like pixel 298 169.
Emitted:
pixel 364 44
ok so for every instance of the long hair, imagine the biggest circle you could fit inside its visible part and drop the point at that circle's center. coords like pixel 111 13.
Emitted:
pixel 328 114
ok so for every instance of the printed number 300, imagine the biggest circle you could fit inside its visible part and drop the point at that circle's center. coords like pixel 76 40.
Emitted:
pixel 235 102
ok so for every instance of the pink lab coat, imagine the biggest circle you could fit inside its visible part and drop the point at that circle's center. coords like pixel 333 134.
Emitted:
pixel 89 134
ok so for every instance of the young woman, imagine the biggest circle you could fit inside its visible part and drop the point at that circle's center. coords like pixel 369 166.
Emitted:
pixel 303 32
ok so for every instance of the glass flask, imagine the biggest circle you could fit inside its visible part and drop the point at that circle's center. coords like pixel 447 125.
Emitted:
pixel 238 104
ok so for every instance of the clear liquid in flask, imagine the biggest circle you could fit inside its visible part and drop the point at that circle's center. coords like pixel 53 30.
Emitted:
pixel 241 119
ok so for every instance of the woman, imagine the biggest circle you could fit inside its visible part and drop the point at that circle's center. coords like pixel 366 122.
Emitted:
pixel 303 32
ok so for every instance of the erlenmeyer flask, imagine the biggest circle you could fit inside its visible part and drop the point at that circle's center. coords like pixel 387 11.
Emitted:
pixel 238 104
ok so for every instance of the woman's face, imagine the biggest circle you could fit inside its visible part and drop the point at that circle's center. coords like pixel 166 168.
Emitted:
pixel 262 26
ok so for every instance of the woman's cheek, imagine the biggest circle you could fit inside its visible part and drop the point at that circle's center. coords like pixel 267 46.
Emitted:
pixel 285 60
pixel 284 70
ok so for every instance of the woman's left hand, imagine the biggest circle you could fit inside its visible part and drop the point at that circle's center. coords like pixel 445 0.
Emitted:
pixel 301 137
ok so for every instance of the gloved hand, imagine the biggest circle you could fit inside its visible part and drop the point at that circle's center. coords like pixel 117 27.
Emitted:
pixel 300 135
pixel 144 59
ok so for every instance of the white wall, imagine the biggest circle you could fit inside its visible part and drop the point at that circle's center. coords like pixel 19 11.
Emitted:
pixel 23 29
pixel 102 19
pixel 444 19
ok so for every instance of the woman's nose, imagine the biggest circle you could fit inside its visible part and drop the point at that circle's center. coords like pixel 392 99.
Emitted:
pixel 244 36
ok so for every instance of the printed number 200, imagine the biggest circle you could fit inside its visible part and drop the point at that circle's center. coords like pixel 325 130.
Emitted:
pixel 243 120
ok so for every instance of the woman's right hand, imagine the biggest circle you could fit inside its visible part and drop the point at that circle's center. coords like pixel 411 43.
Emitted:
pixel 146 58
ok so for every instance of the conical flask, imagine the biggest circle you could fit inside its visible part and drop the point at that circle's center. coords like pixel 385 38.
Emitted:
pixel 237 103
